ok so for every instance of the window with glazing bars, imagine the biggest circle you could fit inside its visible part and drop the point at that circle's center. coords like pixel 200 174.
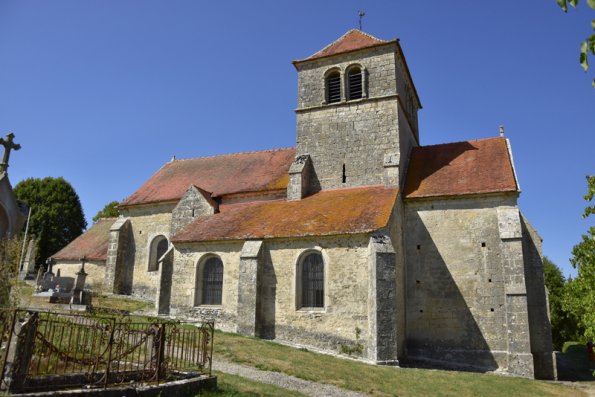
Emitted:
pixel 354 82
pixel 212 282
pixel 313 281
pixel 333 87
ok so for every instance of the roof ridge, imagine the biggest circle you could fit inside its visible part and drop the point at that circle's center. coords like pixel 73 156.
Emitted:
pixel 342 37
pixel 377 185
pixel 468 140
pixel 230 154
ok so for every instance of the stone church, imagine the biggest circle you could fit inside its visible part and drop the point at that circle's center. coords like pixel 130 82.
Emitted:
pixel 357 241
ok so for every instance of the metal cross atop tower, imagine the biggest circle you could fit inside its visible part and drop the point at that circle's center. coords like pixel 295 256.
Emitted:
pixel 8 146
pixel 361 16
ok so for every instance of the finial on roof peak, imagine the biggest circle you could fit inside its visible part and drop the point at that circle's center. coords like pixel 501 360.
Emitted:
pixel 361 15
pixel 173 158
pixel 501 130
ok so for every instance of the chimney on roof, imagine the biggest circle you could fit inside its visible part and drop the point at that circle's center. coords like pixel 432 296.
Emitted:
pixel 502 131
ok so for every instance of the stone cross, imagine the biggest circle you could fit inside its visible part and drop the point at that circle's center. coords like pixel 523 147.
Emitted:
pixel 8 146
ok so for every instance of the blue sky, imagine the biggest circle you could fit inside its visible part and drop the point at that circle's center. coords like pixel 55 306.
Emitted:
pixel 104 93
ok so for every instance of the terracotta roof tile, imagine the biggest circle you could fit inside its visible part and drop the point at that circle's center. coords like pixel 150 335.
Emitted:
pixel 353 40
pixel 471 167
pixel 329 212
pixel 92 243
pixel 221 175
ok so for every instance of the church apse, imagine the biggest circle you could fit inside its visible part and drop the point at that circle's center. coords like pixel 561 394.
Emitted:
pixel 460 303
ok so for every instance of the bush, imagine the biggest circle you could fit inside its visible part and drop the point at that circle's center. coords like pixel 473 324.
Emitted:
pixel 10 250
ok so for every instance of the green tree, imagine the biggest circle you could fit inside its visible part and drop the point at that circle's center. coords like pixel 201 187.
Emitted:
pixel 109 211
pixel 579 297
pixel 56 214
pixel 9 257
pixel 587 46
pixel 564 324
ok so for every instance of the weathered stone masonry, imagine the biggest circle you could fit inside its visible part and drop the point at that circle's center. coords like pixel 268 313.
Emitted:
pixel 420 252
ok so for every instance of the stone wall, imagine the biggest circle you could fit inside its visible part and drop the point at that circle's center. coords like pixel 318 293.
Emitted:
pixel 378 62
pixel 95 272
pixel 539 317
pixel 146 223
pixel 355 136
pixel 334 327
pixel 343 325
pixel 396 232
pixel 407 143
pixel 456 287
pixel 348 141
pixel 185 294
pixel 195 202
pixel 120 256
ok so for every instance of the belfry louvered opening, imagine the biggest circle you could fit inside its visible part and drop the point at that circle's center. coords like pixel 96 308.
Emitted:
pixel 333 87
pixel 355 83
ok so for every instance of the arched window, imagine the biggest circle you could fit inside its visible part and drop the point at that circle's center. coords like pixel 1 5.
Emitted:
pixel 333 87
pixel 212 281
pixel 158 247
pixel 355 83
pixel 312 280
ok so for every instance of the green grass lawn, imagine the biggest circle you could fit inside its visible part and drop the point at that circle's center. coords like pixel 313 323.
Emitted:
pixel 377 380
pixel 370 379
pixel 102 302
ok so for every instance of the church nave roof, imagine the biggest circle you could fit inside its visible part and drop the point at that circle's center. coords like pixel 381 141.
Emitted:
pixel 261 171
pixel 328 212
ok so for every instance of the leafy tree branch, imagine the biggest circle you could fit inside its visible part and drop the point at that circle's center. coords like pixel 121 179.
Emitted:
pixel 587 46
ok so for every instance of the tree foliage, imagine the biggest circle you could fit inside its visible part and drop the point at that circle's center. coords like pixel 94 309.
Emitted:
pixel 579 298
pixel 109 211
pixel 587 46
pixel 10 250
pixel 56 214
pixel 564 324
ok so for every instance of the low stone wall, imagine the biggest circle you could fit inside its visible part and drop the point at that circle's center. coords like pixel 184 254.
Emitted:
pixel 184 387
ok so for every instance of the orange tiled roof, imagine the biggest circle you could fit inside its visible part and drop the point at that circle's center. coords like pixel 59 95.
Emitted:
pixel 221 175
pixel 92 243
pixel 353 40
pixel 329 212
pixel 470 167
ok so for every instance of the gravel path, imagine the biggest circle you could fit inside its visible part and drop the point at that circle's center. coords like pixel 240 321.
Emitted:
pixel 285 381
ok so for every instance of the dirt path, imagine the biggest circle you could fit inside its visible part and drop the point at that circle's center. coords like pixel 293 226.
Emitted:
pixel 285 381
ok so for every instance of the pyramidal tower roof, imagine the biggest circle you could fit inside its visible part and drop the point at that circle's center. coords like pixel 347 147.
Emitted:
pixel 353 40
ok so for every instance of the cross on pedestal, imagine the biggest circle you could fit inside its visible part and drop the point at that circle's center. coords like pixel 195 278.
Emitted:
pixel 8 146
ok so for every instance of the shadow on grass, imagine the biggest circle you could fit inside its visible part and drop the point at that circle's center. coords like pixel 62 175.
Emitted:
pixel 573 363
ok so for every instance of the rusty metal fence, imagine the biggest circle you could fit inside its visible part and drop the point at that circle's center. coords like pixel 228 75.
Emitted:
pixel 45 351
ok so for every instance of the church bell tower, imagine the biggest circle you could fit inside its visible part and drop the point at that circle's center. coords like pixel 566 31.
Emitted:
pixel 356 116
